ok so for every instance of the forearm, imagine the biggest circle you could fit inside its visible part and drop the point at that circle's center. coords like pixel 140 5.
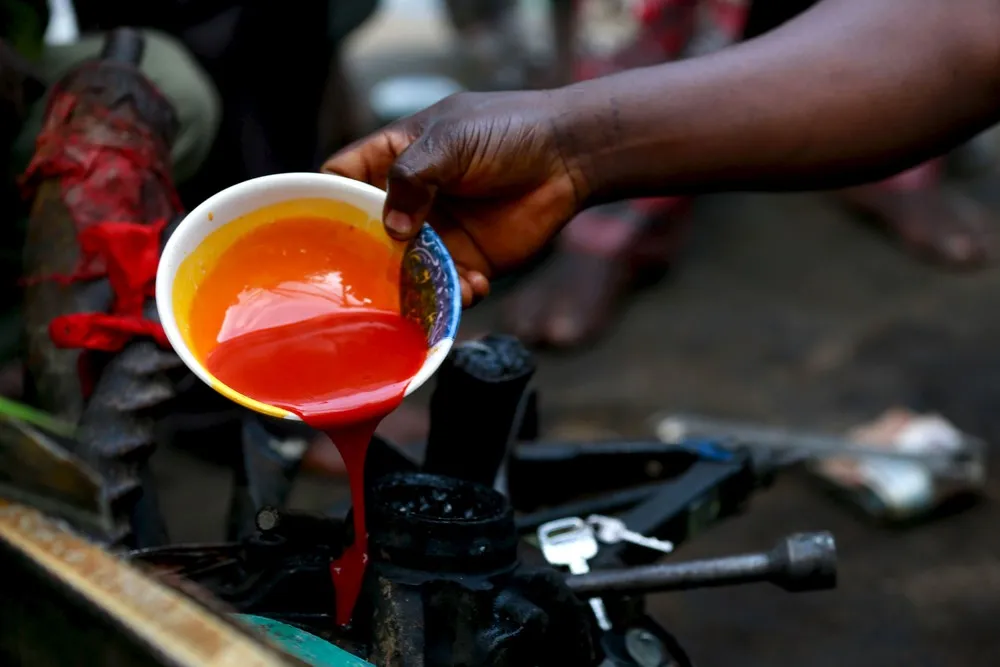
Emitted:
pixel 850 90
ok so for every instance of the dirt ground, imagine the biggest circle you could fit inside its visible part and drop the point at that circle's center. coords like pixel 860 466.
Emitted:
pixel 784 310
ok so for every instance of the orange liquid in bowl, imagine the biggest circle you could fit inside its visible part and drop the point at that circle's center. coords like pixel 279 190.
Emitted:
pixel 303 314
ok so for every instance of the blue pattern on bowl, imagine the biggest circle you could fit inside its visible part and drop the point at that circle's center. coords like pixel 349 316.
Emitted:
pixel 430 293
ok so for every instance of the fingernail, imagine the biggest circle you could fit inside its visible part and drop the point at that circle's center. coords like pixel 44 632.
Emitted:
pixel 399 223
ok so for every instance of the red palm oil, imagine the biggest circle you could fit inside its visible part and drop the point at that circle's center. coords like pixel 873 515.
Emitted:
pixel 303 314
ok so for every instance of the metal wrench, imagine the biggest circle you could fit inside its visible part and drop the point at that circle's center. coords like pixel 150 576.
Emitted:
pixel 797 445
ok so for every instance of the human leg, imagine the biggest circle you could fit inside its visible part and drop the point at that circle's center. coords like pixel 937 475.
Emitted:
pixel 932 220
pixel 600 258
pixel 606 252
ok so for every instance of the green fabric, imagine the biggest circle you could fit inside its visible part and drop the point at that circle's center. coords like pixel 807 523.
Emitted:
pixel 23 26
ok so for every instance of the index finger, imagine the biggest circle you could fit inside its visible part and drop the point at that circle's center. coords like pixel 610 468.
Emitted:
pixel 369 159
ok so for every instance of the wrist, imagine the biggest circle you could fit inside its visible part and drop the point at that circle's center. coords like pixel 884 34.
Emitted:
pixel 615 138
pixel 580 128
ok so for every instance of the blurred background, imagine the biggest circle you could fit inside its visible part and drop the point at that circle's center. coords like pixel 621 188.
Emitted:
pixel 818 311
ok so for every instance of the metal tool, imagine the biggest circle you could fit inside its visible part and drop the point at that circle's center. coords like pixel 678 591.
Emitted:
pixel 487 382
pixel 571 542
pixel 611 530
pixel 801 562
pixel 707 491
pixel 597 466
pixel 795 446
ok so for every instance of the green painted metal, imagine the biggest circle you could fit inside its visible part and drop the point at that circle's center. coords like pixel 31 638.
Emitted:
pixel 305 646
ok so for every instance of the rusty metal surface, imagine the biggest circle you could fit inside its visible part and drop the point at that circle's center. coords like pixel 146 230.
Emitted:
pixel 395 642
pixel 149 623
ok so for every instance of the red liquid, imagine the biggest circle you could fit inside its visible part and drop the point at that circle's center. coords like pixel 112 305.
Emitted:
pixel 287 338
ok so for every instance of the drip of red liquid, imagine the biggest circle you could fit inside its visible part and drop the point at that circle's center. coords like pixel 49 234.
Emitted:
pixel 285 341
pixel 341 373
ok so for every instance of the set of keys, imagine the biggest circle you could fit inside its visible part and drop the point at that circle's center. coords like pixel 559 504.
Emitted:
pixel 573 542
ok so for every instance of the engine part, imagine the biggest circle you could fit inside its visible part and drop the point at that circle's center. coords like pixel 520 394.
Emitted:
pixel 486 382
pixel 448 589
pixel 101 174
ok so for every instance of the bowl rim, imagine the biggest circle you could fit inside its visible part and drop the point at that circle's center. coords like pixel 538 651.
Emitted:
pixel 172 255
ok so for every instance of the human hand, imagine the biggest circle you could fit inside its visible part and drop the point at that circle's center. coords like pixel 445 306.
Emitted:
pixel 486 170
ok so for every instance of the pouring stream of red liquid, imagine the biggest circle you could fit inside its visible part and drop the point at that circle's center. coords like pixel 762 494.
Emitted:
pixel 313 329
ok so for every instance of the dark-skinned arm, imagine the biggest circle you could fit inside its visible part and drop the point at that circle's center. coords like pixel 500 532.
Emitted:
pixel 849 91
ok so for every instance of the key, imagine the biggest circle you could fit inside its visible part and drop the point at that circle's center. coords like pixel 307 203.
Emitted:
pixel 611 530
pixel 571 542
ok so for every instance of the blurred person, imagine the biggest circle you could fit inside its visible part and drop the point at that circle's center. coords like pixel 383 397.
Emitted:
pixel 607 251
pixel 932 219
pixel 844 94
pixel 490 41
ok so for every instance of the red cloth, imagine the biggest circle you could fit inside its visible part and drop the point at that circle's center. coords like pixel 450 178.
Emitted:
pixel 110 166
pixel 114 174
pixel 128 254
pixel 106 333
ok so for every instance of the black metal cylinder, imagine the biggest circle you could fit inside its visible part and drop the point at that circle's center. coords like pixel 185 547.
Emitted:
pixel 477 407
pixel 800 562
pixel 440 524
pixel 727 571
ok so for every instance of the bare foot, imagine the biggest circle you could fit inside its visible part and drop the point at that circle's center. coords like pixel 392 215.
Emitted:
pixel 937 224
pixel 603 255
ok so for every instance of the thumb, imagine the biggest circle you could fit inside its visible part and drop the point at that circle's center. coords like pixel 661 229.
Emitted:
pixel 426 166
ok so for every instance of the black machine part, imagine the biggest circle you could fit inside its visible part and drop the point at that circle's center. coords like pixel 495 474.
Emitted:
pixel 445 586
pixel 437 523
pixel 800 562
pixel 486 382
pixel 449 583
